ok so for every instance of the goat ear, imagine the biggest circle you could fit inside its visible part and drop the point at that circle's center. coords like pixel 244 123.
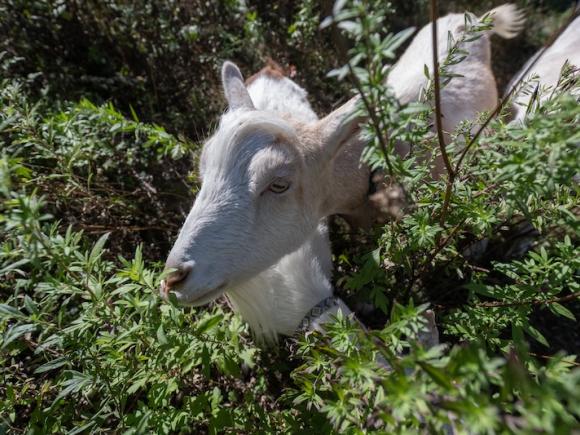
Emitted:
pixel 234 88
pixel 339 127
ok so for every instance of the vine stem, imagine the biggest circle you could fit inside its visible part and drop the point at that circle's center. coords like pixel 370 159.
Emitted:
pixel 369 107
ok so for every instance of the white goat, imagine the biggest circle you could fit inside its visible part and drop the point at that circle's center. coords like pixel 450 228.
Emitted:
pixel 270 174
pixel 255 207
pixel 545 73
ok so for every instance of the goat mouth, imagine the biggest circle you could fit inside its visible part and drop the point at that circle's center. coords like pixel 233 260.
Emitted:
pixel 199 299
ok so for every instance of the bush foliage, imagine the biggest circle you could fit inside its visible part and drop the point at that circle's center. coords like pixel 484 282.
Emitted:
pixel 93 190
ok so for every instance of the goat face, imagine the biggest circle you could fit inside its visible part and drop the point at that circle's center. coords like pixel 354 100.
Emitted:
pixel 262 195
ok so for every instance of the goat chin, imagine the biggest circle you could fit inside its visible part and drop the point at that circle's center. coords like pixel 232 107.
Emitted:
pixel 275 301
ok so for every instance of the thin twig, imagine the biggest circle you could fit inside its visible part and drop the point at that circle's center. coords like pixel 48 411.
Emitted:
pixel 446 200
pixel 537 355
pixel 485 191
pixel 437 89
pixel 501 304
pixel 343 53
pixel 495 304
pixel 135 228
pixel 371 111
pixel 478 268
pixel 511 91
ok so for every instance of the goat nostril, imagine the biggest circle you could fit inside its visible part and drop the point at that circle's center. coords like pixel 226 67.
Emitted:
pixel 176 277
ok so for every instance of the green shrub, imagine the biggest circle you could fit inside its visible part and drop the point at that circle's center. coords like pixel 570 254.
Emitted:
pixel 161 58
pixel 98 170
pixel 515 173
pixel 91 198
pixel 86 341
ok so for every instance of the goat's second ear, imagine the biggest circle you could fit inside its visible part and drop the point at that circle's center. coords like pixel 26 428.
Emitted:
pixel 339 128
pixel 234 89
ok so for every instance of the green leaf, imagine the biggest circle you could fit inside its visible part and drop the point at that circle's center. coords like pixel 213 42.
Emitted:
pixel 137 385
pixel 16 332
pixel 98 247
pixel 537 335
pixel 562 311
pixel 31 305
pixel 14 266
pixel 205 362
pixel 436 374
pixel 76 383
pixel 9 312
pixel 208 323
pixel 161 338
pixel 51 365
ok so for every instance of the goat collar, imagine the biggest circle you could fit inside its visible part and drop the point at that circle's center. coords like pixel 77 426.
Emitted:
pixel 319 313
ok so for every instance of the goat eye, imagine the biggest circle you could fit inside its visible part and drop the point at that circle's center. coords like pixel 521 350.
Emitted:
pixel 279 186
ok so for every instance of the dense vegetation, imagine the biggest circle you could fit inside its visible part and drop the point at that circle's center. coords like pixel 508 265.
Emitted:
pixel 103 105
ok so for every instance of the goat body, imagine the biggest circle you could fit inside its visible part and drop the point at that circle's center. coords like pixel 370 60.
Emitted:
pixel 546 71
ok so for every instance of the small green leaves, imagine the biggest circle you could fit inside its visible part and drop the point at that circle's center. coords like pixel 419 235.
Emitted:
pixel 75 382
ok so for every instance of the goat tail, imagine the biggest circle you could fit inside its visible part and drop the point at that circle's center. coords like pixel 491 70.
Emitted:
pixel 508 20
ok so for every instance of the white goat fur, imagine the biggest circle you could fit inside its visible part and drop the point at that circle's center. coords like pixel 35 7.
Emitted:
pixel 281 95
pixel 275 301
pixel 270 251
pixel 546 72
